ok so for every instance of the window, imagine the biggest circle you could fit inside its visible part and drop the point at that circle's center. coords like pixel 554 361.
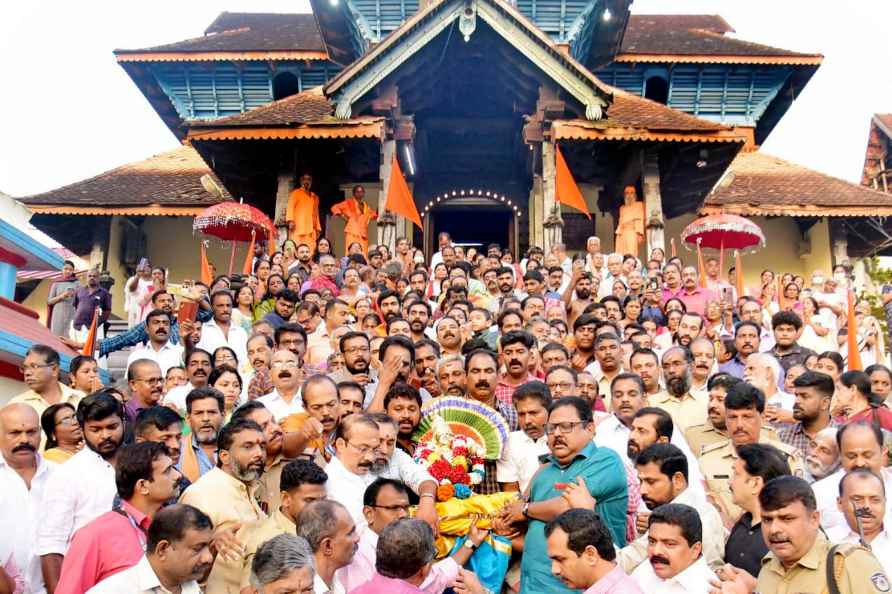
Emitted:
pixel 285 84
pixel 657 89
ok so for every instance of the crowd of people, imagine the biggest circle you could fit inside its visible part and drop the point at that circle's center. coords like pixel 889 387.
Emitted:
pixel 667 435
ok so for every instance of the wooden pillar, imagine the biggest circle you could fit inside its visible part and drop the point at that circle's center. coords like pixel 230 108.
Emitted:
pixel 653 202
pixel 387 222
pixel 537 211
pixel 284 186
pixel 840 242
pixel 552 209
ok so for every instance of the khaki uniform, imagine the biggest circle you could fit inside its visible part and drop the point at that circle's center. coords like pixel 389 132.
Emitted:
pixel 687 411
pixel 268 491
pixel 257 533
pixel 857 571
pixel 37 402
pixel 700 436
pixel 717 463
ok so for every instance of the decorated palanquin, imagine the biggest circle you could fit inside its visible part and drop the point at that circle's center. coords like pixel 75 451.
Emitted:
pixel 455 437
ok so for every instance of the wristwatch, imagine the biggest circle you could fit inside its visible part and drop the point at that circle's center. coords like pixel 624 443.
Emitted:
pixel 525 510
pixel 469 544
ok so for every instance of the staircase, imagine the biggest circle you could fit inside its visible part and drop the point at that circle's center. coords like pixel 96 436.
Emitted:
pixel 117 361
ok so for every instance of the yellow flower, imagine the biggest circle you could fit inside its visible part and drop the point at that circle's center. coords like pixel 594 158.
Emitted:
pixel 460 461
pixel 433 457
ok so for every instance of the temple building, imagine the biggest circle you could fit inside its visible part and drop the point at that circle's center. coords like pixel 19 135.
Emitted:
pixel 474 98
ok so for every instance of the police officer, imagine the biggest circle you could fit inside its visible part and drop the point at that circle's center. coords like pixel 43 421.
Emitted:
pixel 714 431
pixel 744 406
pixel 799 552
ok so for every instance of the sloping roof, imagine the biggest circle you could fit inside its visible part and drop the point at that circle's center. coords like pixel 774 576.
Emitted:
pixel 170 179
pixel 875 172
pixel 302 108
pixel 240 32
pixel 628 109
pixel 760 184
pixel 20 328
pixel 653 38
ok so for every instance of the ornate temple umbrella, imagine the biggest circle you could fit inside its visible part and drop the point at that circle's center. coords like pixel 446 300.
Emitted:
pixel 235 221
pixel 724 231
pixel 721 232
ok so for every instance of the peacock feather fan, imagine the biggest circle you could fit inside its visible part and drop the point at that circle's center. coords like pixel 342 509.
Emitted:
pixel 470 418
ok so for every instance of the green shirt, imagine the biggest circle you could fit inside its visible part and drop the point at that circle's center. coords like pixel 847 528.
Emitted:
pixel 605 476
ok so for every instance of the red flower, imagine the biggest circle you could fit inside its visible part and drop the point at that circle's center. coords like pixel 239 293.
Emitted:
pixel 476 460
pixel 440 469
pixel 458 475
pixel 460 451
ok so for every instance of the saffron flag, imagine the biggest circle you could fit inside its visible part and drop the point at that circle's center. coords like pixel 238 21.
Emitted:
pixel 854 353
pixel 738 274
pixel 399 199
pixel 701 267
pixel 248 267
pixel 90 343
pixel 565 189
pixel 673 249
pixel 206 276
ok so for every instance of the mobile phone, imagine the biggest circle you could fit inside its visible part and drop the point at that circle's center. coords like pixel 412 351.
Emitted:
pixel 726 295
pixel 654 284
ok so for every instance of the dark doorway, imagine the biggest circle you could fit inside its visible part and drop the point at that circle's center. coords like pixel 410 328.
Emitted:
pixel 657 89
pixel 475 225
pixel 285 84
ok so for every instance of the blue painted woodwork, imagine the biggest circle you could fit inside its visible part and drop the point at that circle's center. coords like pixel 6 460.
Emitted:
pixel 372 20
pixel 21 243
pixel 727 93
pixel 7 280
pixel 557 17
pixel 18 346
pixel 208 90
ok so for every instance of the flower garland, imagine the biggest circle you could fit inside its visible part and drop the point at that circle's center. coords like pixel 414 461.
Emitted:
pixel 454 461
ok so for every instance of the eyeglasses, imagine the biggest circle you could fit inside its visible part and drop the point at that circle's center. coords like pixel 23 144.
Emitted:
pixel 72 420
pixel 563 428
pixel 152 381
pixel 393 508
pixel 562 386
pixel 34 367
pixel 365 450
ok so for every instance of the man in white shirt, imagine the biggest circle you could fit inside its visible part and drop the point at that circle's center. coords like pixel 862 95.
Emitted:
pixel 84 487
pixel 285 375
pixel 357 442
pixel 198 368
pixel 333 537
pixel 663 478
pixel 159 348
pixel 520 458
pixel 220 331
pixel 178 553
pixel 763 371
pixel 629 397
pixel 675 561
pixel 860 447
pixel 864 495
pixel 23 478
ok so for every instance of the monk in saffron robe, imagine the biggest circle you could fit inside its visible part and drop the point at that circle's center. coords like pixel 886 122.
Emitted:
pixel 302 214
pixel 358 215
pixel 630 228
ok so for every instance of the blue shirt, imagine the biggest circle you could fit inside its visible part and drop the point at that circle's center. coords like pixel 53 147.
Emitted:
pixel 139 335
pixel 205 464
pixel 734 367
pixel 605 476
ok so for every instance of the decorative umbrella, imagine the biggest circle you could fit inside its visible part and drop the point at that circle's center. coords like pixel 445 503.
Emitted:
pixel 234 221
pixel 721 231
pixel 724 231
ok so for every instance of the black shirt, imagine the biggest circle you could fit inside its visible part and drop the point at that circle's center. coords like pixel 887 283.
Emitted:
pixel 745 546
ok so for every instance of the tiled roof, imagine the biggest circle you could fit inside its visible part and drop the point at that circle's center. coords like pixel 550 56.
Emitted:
pixel 237 32
pixel 628 110
pixel 168 179
pixel 759 184
pixel 670 34
pixel 302 108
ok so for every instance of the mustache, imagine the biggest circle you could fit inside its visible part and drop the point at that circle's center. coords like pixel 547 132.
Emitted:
pixel 24 447
pixel 482 384
pixel 514 362
pixel 777 538
pixel 659 559
pixel 284 374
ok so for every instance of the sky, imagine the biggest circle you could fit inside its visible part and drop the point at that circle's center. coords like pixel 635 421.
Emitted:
pixel 70 112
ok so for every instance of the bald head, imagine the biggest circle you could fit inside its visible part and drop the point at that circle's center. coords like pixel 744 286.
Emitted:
pixel 19 434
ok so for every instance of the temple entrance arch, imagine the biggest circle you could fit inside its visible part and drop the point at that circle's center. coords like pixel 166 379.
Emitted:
pixel 472 217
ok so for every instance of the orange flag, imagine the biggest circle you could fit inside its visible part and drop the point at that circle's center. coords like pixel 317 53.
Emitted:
pixel 206 276
pixel 674 250
pixel 247 269
pixel 565 189
pixel 738 274
pixel 399 199
pixel 701 267
pixel 781 299
pixel 90 343
pixel 854 362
